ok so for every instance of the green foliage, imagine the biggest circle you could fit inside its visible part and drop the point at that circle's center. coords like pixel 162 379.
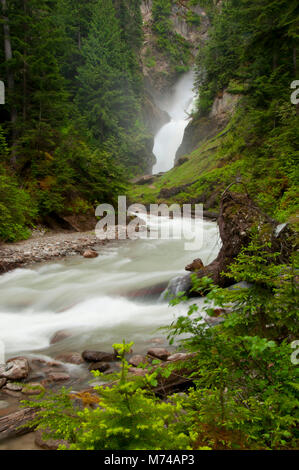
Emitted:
pixel 252 44
pixel 172 44
pixel 16 208
pixel 73 115
pixel 245 393
pixel 16 211
pixel 123 416
pixel 244 397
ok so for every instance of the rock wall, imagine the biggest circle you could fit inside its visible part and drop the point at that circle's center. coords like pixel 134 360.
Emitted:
pixel 157 68
pixel 206 127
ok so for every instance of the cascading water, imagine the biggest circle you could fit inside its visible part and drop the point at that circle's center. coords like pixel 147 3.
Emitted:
pixel 91 298
pixel 170 136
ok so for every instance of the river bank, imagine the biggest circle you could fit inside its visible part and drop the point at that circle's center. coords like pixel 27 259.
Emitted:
pixel 45 246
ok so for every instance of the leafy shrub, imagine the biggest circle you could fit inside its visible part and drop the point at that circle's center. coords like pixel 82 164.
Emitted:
pixel 124 416
pixel 246 394
pixel 16 210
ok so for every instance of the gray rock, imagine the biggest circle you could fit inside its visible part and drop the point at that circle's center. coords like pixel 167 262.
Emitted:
pixel 178 284
pixel 48 444
pixel 99 366
pixel 138 372
pixel 98 356
pixel 71 358
pixel 13 387
pixel 15 369
pixel 58 376
pixel 159 353
pixel 137 359
pixel 11 393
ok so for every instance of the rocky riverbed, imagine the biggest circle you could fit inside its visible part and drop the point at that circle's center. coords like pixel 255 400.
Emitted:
pixel 45 246
pixel 24 378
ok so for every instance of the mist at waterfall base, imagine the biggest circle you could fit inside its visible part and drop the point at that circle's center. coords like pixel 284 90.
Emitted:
pixel 90 298
pixel 170 136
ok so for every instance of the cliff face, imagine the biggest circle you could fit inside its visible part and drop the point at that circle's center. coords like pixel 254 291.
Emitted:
pixel 206 127
pixel 158 68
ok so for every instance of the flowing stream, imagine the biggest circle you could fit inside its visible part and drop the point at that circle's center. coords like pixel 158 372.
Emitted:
pixel 170 136
pixel 99 301
pixel 110 298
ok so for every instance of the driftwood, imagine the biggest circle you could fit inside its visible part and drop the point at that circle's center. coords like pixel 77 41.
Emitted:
pixel 10 424
pixel 177 381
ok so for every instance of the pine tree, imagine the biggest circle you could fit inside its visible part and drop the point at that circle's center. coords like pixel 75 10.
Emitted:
pixel 105 94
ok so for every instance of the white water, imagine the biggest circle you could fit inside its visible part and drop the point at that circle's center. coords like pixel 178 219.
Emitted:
pixel 170 136
pixel 91 297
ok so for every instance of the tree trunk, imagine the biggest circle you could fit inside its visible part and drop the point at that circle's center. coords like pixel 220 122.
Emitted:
pixel 10 424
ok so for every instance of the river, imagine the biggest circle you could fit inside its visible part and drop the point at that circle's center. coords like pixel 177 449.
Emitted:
pixel 98 301
pixel 101 301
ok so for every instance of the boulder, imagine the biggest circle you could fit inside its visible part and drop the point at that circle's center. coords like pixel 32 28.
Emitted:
pixel 42 441
pixel 138 372
pixel 71 358
pixel 90 254
pixel 159 353
pixel 99 366
pixel 58 376
pixel 11 393
pixel 15 369
pixel 99 356
pixel 13 387
pixel 137 359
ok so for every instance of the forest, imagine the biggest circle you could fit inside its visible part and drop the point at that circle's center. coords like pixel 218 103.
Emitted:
pixel 83 83
pixel 72 131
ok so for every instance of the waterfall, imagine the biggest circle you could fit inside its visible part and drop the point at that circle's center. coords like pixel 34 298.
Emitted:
pixel 170 136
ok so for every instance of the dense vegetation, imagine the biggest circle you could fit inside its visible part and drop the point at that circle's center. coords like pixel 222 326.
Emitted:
pixel 251 52
pixel 72 122
pixel 73 116
pixel 245 393
pixel 169 42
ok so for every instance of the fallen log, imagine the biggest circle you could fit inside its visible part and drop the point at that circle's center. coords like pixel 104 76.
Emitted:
pixel 238 217
pixel 10 424
pixel 178 380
